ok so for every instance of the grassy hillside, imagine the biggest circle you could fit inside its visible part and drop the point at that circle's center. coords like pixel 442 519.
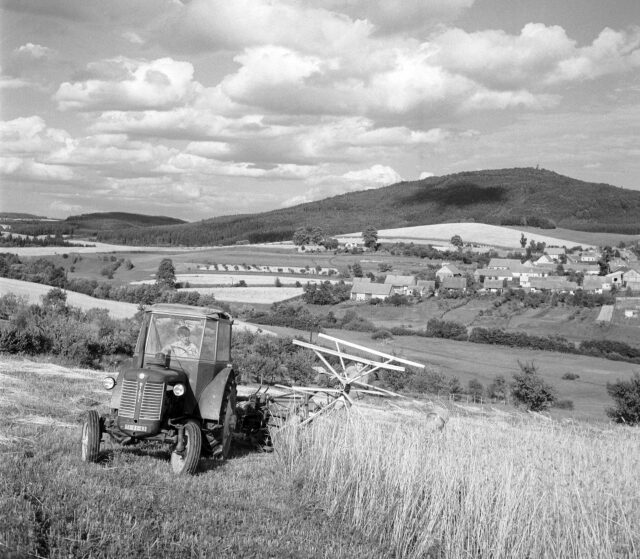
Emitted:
pixel 500 197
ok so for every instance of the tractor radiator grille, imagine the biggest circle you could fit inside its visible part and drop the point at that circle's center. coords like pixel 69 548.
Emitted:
pixel 150 404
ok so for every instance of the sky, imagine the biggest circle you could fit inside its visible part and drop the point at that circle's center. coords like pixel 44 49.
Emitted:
pixel 200 108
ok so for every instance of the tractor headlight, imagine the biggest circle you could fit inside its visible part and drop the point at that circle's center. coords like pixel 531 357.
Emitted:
pixel 178 389
pixel 108 383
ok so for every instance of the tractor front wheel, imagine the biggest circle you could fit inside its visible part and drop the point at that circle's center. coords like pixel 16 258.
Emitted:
pixel 228 419
pixel 186 462
pixel 91 437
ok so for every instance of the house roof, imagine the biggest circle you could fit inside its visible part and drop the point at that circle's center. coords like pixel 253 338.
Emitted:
pixel 491 283
pixel 593 282
pixel 393 279
pixel 555 282
pixel 383 289
pixel 503 262
pixel 426 283
pixel 580 267
pixel 454 282
pixel 555 251
pixel 452 268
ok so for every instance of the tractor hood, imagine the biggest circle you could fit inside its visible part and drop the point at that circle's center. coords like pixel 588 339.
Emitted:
pixel 156 373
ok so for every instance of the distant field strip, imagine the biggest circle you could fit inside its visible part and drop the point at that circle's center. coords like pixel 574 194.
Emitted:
pixel 233 279
pixel 469 232
pixel 34 291
pixel 266 295
pixel 606 313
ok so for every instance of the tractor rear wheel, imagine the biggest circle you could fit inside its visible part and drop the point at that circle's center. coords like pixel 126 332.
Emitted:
pixel 228 420
pixel 91 437
pixel 186 462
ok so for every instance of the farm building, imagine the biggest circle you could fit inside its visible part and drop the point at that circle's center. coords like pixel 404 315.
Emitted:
pixel 632 279
pixel 586 268
pixel 365 290
pixel 402 285
pixel 555 283
pixel 555 252
pixel 425 287
pixel 616 278
pixel 494 285
pixel 503 263
pixel 448 271
pixel 595 284
pixel 456 283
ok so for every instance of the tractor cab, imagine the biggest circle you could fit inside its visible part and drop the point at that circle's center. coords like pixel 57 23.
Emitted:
pixel 181 387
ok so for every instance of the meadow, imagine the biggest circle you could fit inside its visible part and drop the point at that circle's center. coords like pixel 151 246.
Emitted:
pixel 373 483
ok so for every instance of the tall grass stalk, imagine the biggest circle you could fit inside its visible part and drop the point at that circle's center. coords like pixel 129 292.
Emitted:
pixel 485 488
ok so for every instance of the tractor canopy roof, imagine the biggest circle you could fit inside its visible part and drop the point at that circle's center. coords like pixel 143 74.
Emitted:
pixel 188 310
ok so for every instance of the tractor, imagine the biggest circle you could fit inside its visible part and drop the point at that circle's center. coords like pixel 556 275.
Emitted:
pixel 180 390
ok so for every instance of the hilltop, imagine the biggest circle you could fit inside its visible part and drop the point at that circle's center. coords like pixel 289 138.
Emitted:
pixel 116 220
pixel 523 196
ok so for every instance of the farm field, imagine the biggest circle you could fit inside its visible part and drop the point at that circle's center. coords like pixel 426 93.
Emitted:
pixel 257 295
pixel 468 361
pixel 233 280
pixel 33 292
pixel 130 505
pixel 501 485
pixel 503 237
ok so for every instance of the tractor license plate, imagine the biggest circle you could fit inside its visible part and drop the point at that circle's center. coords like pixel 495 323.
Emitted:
pixel 135 427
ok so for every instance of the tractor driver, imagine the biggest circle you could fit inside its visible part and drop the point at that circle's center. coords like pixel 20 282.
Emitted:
pixel 183 346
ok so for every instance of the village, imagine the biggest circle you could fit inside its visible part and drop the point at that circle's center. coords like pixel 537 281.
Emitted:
pixel 554 271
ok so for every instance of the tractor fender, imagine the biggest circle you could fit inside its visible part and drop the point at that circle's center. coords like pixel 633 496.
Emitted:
pixel 210 400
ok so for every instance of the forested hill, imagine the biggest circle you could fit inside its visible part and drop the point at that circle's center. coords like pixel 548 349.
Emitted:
pixel 92 223
pixel 115 220
pixel 523 196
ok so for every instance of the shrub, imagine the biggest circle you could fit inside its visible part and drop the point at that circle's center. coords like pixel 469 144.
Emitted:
pixel 626 395
pixel 530 390
pixel 397 300
pixel 475 389
pixel 564 404
pixel 570 376
pixel 498 388
pixel 446 329
pixel 381 334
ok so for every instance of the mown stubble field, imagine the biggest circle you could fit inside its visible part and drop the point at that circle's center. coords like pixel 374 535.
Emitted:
pixel 374 483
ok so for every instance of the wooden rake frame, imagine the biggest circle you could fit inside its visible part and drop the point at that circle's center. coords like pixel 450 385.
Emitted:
pixel 349 384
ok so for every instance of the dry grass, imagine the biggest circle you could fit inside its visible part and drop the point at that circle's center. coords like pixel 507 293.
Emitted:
pixel 487 488
pixel 129 504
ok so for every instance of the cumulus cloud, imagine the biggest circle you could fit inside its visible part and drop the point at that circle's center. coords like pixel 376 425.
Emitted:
pixel 126 84
pixel 21 168
pixel 207 24
pixel 133 38
pixel 539 55
pixel 392 16
pixel 33 51
pixel 30 136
